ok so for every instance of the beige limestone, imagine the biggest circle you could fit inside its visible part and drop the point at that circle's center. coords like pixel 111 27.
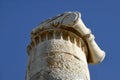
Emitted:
pixel 61 48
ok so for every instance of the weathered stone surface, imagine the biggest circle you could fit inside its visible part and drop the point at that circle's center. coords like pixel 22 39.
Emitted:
pixel 61 48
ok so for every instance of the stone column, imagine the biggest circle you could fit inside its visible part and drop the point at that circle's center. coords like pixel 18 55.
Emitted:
pixel 61 48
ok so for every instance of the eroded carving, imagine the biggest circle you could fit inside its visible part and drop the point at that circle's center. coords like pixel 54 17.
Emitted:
pixel 61 48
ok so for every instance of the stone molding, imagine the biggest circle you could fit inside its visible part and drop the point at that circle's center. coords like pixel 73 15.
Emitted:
pixel 60 34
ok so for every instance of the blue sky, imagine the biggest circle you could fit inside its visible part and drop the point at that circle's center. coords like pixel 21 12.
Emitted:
pixel 19 17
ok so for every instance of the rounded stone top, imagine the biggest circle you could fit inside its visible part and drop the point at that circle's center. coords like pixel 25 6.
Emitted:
pixel 70 18
pixel 66 19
